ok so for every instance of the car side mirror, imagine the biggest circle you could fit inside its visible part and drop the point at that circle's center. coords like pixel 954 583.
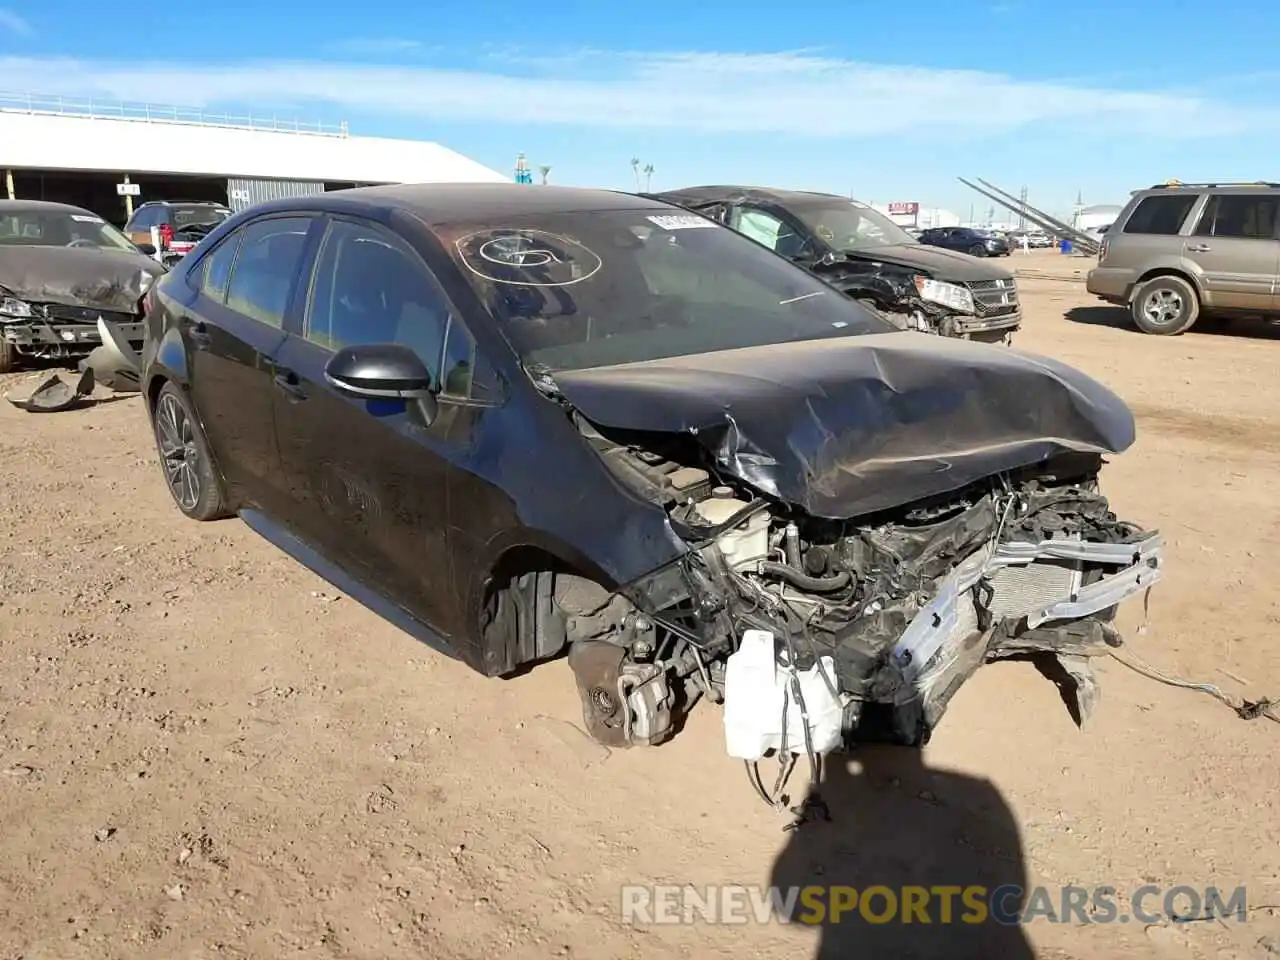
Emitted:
pixel 383 371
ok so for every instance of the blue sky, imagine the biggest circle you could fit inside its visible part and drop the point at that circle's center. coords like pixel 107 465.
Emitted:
pixel 889 101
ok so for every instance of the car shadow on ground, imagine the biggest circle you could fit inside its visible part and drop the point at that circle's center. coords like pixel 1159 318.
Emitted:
pixel 896 824
pixel 1118 317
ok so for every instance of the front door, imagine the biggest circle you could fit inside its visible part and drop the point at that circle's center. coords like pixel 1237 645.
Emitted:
pixel 369 480
pixel 232 329
pixel 1235 247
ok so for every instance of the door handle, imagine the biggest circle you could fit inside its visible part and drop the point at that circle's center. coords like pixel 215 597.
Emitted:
pixel 198 331
pixel 1198 248
pixel 287 381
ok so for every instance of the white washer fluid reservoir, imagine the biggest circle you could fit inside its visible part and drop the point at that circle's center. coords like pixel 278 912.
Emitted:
pixel 757 688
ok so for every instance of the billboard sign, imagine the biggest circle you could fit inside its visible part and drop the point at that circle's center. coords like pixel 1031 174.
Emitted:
pixel 904 208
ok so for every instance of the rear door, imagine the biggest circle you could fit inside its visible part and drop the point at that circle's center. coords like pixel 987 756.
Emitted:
pixel 1234 246
pixel 231 332
pixel 368 480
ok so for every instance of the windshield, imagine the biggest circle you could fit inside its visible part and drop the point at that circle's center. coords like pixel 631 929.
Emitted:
pixel 589 289
pixel 60 228
pixel 848 225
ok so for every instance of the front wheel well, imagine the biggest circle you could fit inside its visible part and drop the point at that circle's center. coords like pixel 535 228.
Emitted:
pixel 522 618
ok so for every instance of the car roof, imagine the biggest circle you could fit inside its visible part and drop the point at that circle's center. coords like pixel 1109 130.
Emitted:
pixel 441 203
pixel 692 196
pixel 45 206
pixel 184 203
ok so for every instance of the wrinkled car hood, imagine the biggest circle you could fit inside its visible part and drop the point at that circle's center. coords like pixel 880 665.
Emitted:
pixel 938 263
pixel 76 276
pixel 849 426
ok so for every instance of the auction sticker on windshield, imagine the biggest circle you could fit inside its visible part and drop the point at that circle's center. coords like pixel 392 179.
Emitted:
pixel 80 218
pixel 679 221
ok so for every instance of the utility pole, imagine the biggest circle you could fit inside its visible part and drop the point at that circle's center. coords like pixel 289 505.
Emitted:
pixel 1022 220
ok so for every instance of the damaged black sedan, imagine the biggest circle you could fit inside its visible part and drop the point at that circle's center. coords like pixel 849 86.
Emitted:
pixel 61 268
pixel 523 422
pixel 868 257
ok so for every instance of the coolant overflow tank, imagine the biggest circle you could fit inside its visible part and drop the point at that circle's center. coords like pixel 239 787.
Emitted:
pixel 746 544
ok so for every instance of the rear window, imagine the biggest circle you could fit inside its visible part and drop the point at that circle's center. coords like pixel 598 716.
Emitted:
pixel 1161 214
pixel 187 216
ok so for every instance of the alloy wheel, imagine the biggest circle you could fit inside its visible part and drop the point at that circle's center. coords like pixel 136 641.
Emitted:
pixel 1163 307
pixel 179 454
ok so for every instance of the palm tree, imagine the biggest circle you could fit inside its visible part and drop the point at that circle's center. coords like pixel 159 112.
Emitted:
pixel 543 170
pixel 635 168
pixel 648 176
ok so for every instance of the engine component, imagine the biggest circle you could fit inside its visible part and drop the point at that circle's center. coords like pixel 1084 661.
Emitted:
pixel 746 544
pixel 771 705
pixel 647 700
pixel 623 704
pixel 801 580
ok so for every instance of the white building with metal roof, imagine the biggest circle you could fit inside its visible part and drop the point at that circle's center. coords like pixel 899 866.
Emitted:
pixel 109 156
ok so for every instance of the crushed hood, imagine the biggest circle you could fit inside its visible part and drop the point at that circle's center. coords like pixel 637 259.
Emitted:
pixel 77 276
pixel 936 262
pixel 849 426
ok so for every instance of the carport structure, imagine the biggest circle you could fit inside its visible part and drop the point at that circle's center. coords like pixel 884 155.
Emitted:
pixel 109 156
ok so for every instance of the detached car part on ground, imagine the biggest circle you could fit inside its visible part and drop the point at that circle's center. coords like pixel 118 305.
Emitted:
pixel 865 255
pixel 654 445
pixel 61 269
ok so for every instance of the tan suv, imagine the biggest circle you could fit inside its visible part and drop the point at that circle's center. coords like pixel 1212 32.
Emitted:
pixel 1181 250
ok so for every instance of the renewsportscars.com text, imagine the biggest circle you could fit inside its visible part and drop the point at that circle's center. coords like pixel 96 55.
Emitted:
pixel 939 904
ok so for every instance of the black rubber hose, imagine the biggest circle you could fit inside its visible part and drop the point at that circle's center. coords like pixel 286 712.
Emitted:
pixel 803 581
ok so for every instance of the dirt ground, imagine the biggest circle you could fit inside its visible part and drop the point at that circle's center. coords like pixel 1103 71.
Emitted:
pixel 206 751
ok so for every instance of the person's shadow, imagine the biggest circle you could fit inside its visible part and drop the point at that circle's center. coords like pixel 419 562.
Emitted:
pixel 897 825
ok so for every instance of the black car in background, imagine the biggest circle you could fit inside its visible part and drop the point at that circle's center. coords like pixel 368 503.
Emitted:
pixel 61 267
pixel 519 422
pixel 869 258
pixel 970 240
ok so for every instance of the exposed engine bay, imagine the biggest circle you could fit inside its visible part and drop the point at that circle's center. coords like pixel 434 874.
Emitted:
pixel 816 633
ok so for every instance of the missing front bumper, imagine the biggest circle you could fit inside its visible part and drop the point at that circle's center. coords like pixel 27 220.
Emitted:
pixel 944 624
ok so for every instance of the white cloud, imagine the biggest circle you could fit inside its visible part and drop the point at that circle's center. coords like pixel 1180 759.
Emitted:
pixel 794 94
pixel 376 45
pixel 12 23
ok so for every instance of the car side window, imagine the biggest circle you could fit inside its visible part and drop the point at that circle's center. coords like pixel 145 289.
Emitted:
pixel 766 229
pixel 1161 214
pixel 216 268
pixel 1244 216
pixel 270 255
pixel 369 287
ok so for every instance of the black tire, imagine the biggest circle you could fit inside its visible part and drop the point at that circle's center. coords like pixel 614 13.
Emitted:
pixel 8 357
pixel 1165 306
pixel 977 250
pixel 188 469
